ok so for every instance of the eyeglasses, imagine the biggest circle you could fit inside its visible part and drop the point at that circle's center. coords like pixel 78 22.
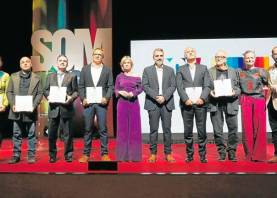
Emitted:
pixel 189 51
pixel 220 56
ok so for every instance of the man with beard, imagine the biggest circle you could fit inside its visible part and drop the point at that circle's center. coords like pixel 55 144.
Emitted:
pixel 272 104
pixel 60 114
pixel 159 85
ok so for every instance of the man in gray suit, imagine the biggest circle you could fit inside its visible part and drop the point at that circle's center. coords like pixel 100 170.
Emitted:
pixel 94 75
pixel 159 85
pixel 24 83
pixel 227 105
pixel 193 83
pixel 60 114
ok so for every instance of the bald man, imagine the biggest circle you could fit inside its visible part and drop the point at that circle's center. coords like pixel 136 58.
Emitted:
pixel 193 76
pixel 224 106
pixel 24 83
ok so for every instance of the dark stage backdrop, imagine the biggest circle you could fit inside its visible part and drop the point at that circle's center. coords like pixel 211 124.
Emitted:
pixel 15 38
pixel 157 20
pixel 44 29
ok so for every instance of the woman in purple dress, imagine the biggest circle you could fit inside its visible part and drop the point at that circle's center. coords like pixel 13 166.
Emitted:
pixel 127 88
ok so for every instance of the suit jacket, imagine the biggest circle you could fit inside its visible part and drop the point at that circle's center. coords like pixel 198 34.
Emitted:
pixel 35 89
pixel 151 87
pixel 232 101
pixel 272 81
pixel 70 82
pixel 201 79
pixel 105 81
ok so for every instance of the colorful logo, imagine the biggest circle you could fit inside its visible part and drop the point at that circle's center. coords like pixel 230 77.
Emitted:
pixel 237 62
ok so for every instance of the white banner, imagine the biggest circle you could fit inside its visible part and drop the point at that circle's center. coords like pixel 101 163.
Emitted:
pixel 142 55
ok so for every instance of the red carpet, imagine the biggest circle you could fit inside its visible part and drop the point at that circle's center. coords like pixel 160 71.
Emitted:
pixel 161 166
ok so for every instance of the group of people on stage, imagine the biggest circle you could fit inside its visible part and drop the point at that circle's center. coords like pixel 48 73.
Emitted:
pixel 159 84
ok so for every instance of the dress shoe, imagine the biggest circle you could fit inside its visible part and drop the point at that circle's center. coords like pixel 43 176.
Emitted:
pixel 52 159
pixel 105 157
pixel 222 157
pixel 273 159
pixel 232 156
pixel 31 160
pixel 203 159
pixel 169 158
pixel 252 160
pixel 14 160
pixel 189 159
pixel 152 158
pixel 68 159
pixel 84 159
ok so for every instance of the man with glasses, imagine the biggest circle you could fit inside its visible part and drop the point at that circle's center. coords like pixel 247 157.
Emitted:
pixel 224 104
pixel 61 113
pixel 95 76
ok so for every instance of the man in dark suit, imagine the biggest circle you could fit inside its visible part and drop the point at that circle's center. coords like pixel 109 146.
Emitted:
pixel 272 102
pixel 227 105
pixel 159 85
pixel 192 76
pixel 95 75
pixel 60 114
pixel 24 83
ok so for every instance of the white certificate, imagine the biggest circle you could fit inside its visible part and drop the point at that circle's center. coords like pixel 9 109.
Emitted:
pixel 24 103
pixel 194 93
pixel 94 94
pixel 223 87
pixel 57 94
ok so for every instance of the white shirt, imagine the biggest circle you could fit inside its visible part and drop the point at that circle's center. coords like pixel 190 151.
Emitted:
pixel 192 71
pixel 273 74
pixel 95 73
pixel 160 79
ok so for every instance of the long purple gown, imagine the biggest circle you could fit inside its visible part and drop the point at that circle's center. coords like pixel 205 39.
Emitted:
pixel 128 141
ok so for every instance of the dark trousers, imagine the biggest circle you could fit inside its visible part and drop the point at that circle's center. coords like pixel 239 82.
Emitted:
pixel 272 117
pixel 3 127
pixel 200 114
pixel 89 113
pixel 217 119
pixel 66 125
pixel 154 119
pixel 18 128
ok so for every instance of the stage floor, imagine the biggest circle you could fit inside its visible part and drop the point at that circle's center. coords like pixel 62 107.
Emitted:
pixel 160 167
